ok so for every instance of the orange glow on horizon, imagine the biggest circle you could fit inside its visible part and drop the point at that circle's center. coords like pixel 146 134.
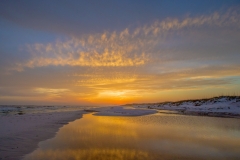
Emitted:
pixel 166 59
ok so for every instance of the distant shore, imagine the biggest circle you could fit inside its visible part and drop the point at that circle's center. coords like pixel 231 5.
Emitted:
pixel 223 106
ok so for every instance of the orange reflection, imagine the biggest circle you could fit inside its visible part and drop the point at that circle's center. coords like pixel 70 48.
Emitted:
pixel 145 137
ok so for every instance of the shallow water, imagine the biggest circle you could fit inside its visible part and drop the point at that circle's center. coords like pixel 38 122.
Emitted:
pixel 152 137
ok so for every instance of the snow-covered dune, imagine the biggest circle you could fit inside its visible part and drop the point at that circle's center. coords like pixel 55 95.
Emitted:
pixel 223 106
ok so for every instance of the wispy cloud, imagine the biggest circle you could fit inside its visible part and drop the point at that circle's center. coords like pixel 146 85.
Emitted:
pixel 131 47
pixel 144 81
pixel 192 53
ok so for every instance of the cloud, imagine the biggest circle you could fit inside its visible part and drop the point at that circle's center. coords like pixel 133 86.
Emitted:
pixel 81 17
pixel 32 92
pixel 162 41
pixel 192 53
pixel 140 81
pixel 52 91
pixel 111 85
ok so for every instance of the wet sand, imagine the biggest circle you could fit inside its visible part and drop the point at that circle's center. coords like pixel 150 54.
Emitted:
pixel 20 134
pixel 152 137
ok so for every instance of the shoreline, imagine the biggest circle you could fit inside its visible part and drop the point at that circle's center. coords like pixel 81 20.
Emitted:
pixel 212 114
pixel 122 111
pixel 20 134
pixel 205 114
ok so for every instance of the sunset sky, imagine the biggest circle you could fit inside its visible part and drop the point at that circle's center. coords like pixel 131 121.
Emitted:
pixel 92 52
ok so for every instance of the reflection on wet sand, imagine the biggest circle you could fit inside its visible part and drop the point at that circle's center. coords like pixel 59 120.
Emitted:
pixel 144 137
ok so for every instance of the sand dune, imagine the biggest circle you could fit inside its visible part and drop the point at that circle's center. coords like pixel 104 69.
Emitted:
pixel 223 106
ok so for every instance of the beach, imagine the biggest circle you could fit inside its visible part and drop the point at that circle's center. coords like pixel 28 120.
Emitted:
pixel 22 128
pixel 20 134
pixel 158 136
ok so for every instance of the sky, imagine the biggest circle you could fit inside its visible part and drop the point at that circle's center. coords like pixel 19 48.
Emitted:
pixel 111 52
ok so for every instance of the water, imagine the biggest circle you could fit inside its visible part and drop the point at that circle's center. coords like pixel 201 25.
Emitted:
pixel 152 137
pixel 28 109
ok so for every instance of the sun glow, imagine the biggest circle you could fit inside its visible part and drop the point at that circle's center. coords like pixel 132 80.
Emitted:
pixel 113 93
pixel 115 96
pixel 166 59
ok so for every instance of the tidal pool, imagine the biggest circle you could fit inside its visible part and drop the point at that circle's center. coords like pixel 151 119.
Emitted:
pixel 152 137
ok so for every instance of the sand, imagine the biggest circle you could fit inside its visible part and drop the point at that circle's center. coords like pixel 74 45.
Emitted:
pixel 223 106
pixel 20 134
